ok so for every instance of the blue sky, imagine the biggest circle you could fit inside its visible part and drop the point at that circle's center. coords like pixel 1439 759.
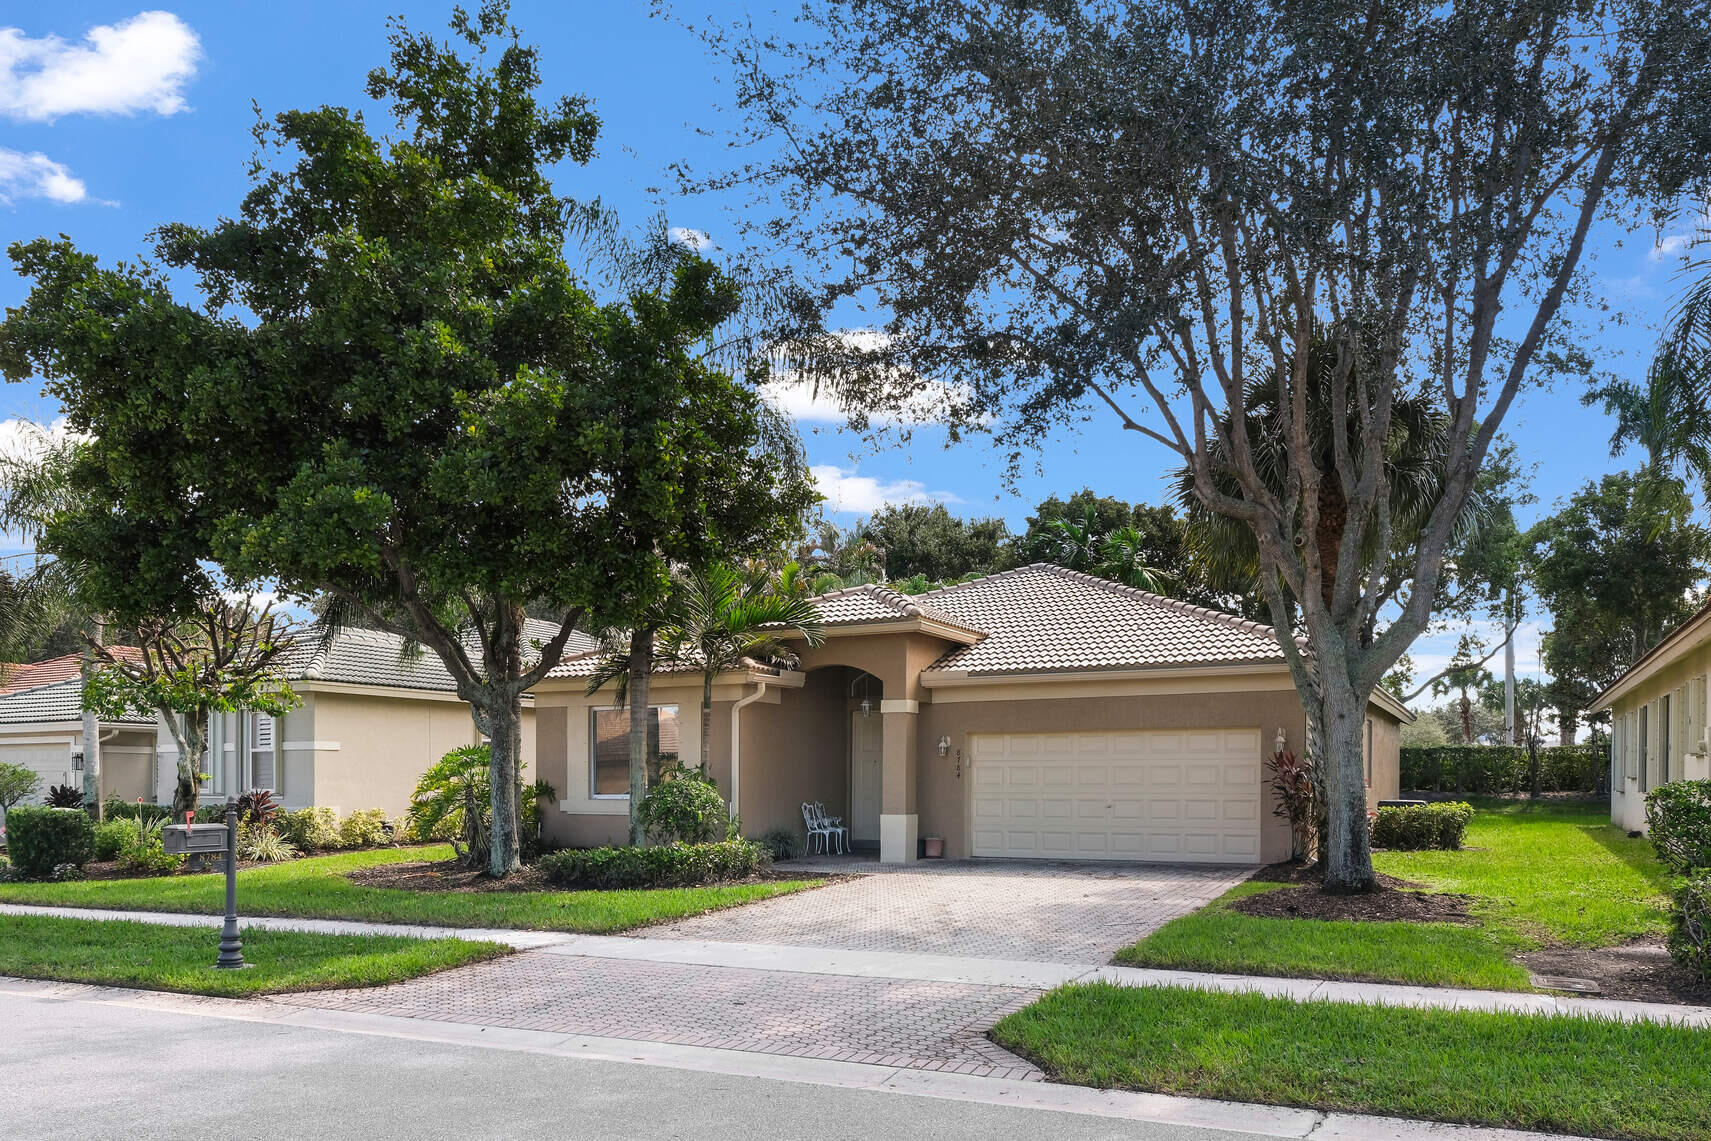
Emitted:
pixel 115 119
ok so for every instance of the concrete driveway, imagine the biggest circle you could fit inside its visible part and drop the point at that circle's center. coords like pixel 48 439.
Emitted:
pixel 1038 911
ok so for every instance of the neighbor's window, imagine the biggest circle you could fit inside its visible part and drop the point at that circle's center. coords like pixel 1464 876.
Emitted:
pixel 609 746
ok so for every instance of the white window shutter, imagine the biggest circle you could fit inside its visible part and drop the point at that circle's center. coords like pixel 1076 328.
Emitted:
pixel 263 732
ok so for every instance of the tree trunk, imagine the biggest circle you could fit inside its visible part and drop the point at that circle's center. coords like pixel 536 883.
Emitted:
pixel 1568 723
pixel 641 677
pixel 505 746
pixel 1466 719
pixel 707 721
pixel 190 732
pixel 1533 765
pixel 1342 720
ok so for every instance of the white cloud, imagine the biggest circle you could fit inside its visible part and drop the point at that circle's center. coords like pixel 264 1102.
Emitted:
pixel 139 64
pixel 35 175
pixel 928 402
pixel 862 495
pixel 697 240
pixel 1434 652
pixel 25 439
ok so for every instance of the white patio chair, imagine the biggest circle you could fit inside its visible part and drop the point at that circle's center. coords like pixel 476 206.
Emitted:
pixel 834 826
pixel 812 822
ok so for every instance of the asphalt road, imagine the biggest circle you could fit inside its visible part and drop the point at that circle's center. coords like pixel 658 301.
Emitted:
pixel 85 1070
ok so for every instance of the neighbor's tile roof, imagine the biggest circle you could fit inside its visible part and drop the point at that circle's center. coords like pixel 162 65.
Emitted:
pixel 57 701
pixel 859 605
pixel 31 675
pixel 1044 618
pixel 374 657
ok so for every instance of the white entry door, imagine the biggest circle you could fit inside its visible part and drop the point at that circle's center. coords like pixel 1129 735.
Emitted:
pixel 1179 795
pixel 867 750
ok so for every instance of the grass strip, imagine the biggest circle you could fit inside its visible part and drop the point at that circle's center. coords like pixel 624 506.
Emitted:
pixel 147 955
pixel 317 888
pixel 1564 1074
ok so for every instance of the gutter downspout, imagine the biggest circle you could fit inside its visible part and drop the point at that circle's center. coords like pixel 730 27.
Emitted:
pixel 736 767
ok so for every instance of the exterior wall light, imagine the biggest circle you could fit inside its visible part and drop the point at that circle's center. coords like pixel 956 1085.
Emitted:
pixel 944 746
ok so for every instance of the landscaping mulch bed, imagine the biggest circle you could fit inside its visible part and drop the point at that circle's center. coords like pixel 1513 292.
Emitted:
pixel 1641 971
pixel 1392 902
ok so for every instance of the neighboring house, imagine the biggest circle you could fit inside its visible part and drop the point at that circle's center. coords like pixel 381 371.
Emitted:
pixel 1037 713
pixel 1658 719
pixel 41 728
pixel 373 717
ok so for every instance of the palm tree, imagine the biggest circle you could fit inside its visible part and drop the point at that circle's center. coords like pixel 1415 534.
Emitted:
pixel 1415 460
pixel 720 620
pixel 1069 543
pixel 1122 557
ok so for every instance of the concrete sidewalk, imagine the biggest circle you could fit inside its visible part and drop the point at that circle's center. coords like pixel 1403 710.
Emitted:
pixel 943 969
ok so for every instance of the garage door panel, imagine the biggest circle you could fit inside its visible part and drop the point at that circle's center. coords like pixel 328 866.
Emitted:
pixel 1136 795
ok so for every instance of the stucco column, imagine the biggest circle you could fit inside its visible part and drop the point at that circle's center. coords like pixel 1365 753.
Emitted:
pixel 899 823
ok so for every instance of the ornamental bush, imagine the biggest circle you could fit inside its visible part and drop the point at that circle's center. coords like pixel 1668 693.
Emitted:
pixel 111 836
pixel 309 829
pixel 41 839
pixel 684 808
pixel 145 855
pixel 1678 818
pixel 1690 926
pixel 675 865
pixel 1414 827
pixel 366 828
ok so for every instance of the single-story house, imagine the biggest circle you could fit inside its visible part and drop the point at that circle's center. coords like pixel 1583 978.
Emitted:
pixel 374 716
pixel 1035 713
pixel 1658 719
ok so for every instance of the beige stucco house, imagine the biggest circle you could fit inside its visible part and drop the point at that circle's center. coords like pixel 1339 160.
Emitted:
pixel 1658 719
pixel 373 718
pixel 1037 713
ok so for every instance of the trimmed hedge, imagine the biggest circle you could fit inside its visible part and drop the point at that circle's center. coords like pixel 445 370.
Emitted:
pixel 1678 823
pixel 675 865
pixel 1486 769
pixel 1690 927
pixel 41 839
pixel 1415 827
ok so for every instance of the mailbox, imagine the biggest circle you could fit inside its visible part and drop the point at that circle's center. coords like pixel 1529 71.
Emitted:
pixel 207 839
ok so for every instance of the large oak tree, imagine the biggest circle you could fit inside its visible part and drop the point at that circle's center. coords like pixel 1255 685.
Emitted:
pixel 396 390
pixel 1157 210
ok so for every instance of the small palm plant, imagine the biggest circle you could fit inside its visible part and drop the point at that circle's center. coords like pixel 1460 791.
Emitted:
pixel 722 620
pixel 450 797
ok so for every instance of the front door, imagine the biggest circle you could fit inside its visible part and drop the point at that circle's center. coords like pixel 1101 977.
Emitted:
pixel 866 751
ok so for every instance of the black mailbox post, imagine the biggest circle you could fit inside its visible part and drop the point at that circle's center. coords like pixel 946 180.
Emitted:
pixel 212 839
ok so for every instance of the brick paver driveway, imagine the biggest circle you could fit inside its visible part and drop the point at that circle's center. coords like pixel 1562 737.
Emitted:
pixel 1038 911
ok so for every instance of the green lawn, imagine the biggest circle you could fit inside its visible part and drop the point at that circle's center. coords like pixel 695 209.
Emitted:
pixel 1563 1074
pixel 182 959
pixel 1218 939
pixel 317 888
pixel 1538 872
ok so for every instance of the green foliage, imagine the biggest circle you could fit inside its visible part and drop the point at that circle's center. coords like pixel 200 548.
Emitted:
pixel 16 783
pixel 685 807
pixel 188 690
pixel 676 865
pixel 452 795
pixel 261 844
pixel 40 839
pixel 1690 926
pixel 313 829
pixel 782 843
pixel 110 836
pixel 929 543
pixel 365 828
pixel 1678 819
pixel 1490 769
pixel 1421 827
pixel 116 809
pixel 145 854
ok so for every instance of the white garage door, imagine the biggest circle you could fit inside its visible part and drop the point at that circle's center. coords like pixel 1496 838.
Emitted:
pixel 1180 795
pixel 51 762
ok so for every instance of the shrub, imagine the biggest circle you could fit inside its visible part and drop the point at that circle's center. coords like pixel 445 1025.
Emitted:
pixel 309 829
pixel 144 855
pixel 258 807
pixel 211 813
pixel 675 865
pixel 1678 816
pixel 1501 768
pixel 1414 827
pixel 782 843
pixel 40 839
pixel 1690 927
pixel 111 836
pixel 1297 799
pixel 65 796
pixel 367 828
pixel 684 808
pixel 263 845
